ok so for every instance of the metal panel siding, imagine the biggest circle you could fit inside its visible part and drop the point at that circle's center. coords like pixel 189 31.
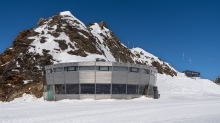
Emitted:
pixel 119 77
pixel 103 77
pixel 103 64
pixel 134 78
pixel 71 77
pixel 152 80
pixel 72 96
pixel 87 76
pixel 60 97
pixel 58 78
pixel 49 79
pixel 119 96
pixel 87 63
pixel 132 96
pixel 102 96
pixel 145 78
pixel 87 96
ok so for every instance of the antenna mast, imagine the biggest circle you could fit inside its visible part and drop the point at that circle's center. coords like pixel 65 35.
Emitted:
pixel 128 44
pixel 190 61
pixel 183 55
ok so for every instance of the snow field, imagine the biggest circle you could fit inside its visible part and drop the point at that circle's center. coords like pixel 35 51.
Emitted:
pixel 182 101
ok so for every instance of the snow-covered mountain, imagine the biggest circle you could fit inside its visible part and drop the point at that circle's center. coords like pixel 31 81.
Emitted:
pixel 63 38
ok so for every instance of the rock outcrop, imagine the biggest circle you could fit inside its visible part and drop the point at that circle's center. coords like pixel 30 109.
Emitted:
pixel 217 80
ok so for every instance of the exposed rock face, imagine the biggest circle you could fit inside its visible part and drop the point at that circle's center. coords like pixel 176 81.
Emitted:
pixel 62 38
pixel 217 80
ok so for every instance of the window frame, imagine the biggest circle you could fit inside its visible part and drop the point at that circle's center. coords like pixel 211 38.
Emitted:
pixel 63 91
pixel 103 88
pixel 77 89
pixel 115 87
pixel 86 88
pixel 132 69
pixel 120 69
pixel 67 68
pixel 51 71
pixel 80 68
pixel 57 68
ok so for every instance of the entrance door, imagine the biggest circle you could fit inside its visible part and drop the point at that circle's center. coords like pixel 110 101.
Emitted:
pixel 50 92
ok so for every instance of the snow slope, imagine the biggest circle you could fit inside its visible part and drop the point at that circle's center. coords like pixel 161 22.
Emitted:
pixel 181 101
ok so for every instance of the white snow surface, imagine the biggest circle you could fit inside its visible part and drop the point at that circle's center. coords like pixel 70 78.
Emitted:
pixel 183 100
pixel 148 57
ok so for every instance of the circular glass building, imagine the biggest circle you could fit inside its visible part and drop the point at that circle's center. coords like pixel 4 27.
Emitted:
pixel 98 80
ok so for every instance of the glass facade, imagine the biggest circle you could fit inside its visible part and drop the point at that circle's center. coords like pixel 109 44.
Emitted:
pixel 119 68
pixel 118 88
pixel 103 88
pixel 60 89
pixel 71 68
pixel 58 69
pixel 86 67
pixel 133 69
pixel 87 88
pixel 104 68
pixel 72 88
pixel 50 92
pixel 132 89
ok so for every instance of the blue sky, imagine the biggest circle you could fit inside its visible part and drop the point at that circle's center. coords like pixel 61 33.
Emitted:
pixel 165 28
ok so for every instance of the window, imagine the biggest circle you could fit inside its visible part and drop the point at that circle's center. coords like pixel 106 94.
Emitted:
pixel 118 68
pixel 132 89
pixel 72 68
pixel 118 88
pixel 103 88
pixel 49 71
pixel 133 69
pixel 59 69
pixel 104 68
pixel 87 88
pixel 145 71
pixel 87 68
pixel 72 88
pixel 60 89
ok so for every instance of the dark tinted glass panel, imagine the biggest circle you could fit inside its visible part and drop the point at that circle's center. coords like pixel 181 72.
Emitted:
pixel 72 68
pixel 145 71
pixel 141 89
pixel 117 68
pixel 118 89
pixel 87 68
pixel 103 88
pixel 133 69
pixel 103 68
pixel 59 69
pixel 49 71
pixel 60 89
pixel 132 89
pixel 72 88
pixel 87 88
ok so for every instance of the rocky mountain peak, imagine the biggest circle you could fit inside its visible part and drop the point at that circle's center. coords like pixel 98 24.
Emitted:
pixel 63 38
